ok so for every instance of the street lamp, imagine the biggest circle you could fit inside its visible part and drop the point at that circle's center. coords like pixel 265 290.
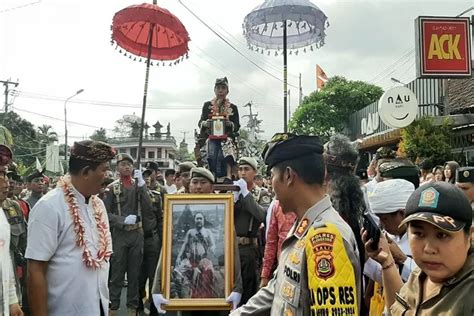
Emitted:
pixel 397 81
pixel 65 121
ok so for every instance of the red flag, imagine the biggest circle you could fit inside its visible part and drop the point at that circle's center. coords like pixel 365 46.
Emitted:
pixel 321 77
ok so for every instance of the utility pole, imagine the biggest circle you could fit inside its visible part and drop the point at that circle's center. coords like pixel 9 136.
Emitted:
pixel 7 84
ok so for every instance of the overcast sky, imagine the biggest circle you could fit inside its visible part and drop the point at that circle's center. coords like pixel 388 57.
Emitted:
pixel 56 47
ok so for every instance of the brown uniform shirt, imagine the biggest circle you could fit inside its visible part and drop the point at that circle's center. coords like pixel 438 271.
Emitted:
pixel 455 297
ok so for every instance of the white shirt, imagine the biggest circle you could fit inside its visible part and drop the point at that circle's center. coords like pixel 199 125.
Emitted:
pixel 7 277
pixel 171 189
pixel 373 269
pixel 73 289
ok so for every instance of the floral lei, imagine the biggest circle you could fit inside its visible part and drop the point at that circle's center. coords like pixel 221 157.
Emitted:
pixel 103 253
pixel 226 111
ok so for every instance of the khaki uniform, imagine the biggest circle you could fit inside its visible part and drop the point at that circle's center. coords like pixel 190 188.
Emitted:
pixel 453 298
pixel 248 215
pixel 318 273
pixel 127 240
pixel 262 196
pixel 18 240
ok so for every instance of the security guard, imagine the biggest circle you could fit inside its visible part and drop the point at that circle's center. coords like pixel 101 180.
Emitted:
pixel 248 216
pixel 319 268
pixel 126 218
pixel 153 231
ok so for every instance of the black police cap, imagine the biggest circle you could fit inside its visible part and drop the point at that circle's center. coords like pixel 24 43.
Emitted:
pixel 287 146
pixel 441 204
pixel 465 174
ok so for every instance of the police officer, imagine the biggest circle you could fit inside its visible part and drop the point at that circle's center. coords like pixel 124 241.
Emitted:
pixel 153 231
pixel 128 206
pixel 319 268
pixel 248 216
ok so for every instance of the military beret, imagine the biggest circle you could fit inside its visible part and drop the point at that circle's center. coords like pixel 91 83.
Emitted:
pixel 426 165
pixel 203 173
pixel 248 161
pixel 287 146
pixel 35 175
pixel 441 204
pixel 147 172
pixel 123 156
pixel 151 165
pixel 6 155
pixel 186 166
pixel 465 174
pixel 93 151
pixel 397 168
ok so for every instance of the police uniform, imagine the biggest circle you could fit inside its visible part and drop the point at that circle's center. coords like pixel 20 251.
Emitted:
pixel 319 270
pixel 18 228
pixel 153 231
pixel 128 239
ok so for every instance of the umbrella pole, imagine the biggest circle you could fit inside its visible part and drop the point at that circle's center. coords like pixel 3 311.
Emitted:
pixel 145 92
pixel 285 79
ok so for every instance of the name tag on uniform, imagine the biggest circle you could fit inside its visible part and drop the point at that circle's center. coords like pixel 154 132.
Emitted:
pixel 290 293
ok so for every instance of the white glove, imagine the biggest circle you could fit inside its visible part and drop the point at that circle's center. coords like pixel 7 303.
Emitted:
pixel 138 175
pixel 234 298
pixel 243 187
pixel 159 300
pixel 130 220
pixel 236 195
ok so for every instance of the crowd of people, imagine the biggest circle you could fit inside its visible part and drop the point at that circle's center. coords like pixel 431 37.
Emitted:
pixel 314 237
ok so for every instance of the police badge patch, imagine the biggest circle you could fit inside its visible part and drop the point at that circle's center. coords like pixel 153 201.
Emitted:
pixel 322 245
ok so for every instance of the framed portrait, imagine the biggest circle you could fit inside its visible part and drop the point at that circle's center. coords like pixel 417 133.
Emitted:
pixel 198 248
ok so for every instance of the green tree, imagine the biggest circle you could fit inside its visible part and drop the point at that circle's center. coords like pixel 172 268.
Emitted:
pixel 26 144
pixel 46 135
pixel 423 139
pixel 100 135
pixel 124 126
pixel 326 112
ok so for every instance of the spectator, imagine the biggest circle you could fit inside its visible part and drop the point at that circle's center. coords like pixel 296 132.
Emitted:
pixel 426 166
pixel 450 168
pixel 438 174
pixel 169 181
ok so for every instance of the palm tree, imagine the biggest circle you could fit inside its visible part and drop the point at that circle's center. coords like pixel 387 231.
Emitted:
pixel 47 135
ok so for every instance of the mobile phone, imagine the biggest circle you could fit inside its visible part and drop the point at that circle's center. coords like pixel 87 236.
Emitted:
pixel 373 230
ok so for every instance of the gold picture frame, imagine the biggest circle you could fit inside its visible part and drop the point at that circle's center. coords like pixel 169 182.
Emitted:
pixel 191 258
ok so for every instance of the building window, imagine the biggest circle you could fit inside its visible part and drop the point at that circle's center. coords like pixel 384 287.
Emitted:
pixel 151 155
pixel 159 153
pixel 133 153
pixel 123 150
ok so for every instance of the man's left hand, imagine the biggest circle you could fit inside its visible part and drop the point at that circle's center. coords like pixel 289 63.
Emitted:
pixel 138 175
pixel 234 298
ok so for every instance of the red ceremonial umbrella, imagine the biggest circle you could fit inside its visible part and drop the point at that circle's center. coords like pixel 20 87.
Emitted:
pixel 148 31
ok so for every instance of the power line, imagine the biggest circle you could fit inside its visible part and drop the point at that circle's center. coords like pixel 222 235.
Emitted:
pixel 232 46
pixel 20 6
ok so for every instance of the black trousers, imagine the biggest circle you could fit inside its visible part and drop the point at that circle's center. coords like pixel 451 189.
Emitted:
pixel 249 271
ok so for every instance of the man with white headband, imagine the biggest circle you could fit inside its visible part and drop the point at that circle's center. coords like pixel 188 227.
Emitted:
pixel 388 203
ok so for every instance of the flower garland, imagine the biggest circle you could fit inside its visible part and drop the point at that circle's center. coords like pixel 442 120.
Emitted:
pixel 225 110
pixel 103 254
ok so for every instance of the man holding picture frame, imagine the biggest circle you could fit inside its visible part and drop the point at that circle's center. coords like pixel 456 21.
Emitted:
pixel 202 182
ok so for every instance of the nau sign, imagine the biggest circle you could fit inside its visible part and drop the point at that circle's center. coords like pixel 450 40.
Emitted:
pixel 443 47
